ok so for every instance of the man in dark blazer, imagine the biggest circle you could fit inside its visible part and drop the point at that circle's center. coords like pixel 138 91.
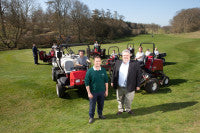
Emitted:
pixel 35 55
pixel 126 79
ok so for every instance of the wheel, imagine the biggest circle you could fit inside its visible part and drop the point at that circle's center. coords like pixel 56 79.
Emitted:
pixel 104 62
pixel 60 90
pixel 165 81
pixel 54 77
pixel 152 85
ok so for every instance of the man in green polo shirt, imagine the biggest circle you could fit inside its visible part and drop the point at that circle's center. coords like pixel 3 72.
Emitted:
pixel 96 82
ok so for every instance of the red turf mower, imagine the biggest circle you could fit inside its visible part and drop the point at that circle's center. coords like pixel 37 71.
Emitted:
pixel 152 73
pixel 64 71
pixel 96 51
pixel 47 57
pixel 109 63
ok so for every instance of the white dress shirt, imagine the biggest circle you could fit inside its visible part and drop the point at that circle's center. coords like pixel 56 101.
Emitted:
pixel 141 55
pixel 123 73
pixel 147 53
pixel 156 52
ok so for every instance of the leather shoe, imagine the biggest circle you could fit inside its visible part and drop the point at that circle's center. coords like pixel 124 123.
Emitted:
pixel 119 113
pixel 131 112
pixel 102 117
pixel 91 120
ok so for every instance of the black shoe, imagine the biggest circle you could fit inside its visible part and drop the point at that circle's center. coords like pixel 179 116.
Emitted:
pixel 119 113
pixel 131 112
pixel 102 117
pixel 91 120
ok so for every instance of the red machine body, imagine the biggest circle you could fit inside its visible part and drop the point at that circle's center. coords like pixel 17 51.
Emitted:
pixel 156 66
pixel 46 57
pixel 77 77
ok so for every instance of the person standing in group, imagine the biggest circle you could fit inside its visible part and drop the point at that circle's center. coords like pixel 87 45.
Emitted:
pixel 35 54
pixel 147 53
pixel 126 79
pixel 96 82
pixel 156 51
pixel 96 45
pixel 140 55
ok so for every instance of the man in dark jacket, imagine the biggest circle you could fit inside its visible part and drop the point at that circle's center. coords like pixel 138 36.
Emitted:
pixel 35 55
pixel 126 79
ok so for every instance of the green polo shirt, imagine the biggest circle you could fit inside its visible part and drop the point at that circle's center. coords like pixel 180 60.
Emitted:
pixel 96 79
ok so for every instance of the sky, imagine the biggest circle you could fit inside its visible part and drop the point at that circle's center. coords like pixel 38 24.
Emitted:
pixel 142 11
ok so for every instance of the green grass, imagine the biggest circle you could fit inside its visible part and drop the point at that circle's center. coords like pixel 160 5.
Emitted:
pixel 28 100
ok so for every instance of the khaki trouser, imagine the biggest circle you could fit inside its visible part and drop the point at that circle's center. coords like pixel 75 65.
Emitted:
pixel 124 99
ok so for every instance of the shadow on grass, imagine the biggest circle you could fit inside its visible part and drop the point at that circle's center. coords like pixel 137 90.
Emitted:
pixel 82 93
pixel 164 90
pixel 76 93
pixel 44 64
pixel 149 110
pixel 160 91
pixel 177 81
pixel 170 63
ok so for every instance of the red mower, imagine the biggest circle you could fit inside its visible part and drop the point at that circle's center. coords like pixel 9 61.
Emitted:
pixel 96 51
pixel 65 72
pixel 47 57
pixel 110 62
pixel 152 73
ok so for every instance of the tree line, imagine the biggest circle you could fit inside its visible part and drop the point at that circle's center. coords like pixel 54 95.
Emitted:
pixel 22 23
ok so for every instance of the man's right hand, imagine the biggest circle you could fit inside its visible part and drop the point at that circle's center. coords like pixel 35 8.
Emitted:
pixel 90 95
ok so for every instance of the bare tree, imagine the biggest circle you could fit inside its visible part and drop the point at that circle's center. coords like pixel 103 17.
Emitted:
pixel 59 11
pixel 187 20
pixel 14 15
pixel 80 16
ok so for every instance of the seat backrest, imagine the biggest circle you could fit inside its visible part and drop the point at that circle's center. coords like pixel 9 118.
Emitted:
pixel 68 66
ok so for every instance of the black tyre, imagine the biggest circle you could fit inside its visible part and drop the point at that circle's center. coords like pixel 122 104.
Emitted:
pixel 60 90
pixel 165 81
pixel 54 76
pixel 152 85
pixel 104 62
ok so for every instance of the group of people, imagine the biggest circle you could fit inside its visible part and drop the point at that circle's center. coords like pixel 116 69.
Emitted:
pixel 140 54
pixel 125 79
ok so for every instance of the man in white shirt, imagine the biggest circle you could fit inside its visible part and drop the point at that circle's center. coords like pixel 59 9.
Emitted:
pixel 147 53
pixel 156 52
pixel 140 55
pixel 96 44
pixel 125 79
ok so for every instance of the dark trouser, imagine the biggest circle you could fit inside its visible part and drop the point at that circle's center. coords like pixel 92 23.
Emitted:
pixel 36 59
pixel 99 98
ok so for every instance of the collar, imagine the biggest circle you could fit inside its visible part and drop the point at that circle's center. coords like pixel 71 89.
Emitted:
pixel 96 69
pixel 126 63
